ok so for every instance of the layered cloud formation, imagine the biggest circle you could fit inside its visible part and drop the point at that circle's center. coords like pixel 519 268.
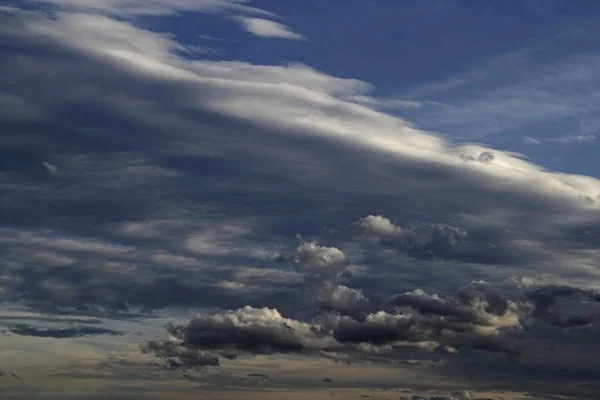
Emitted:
pixel 137 176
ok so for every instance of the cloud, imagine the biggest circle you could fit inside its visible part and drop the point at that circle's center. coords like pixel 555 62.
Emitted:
pixel 244 331
pixel 178 357
pixel 473 318
pixel 156 7
pixel 492 98
pixel 546 305
pixel 531 140
pixel 266 28
pixel 250 18
pixel 385 103
pixel 61 333
pixel 431 240
pixel 51 168
pixel 179 179
pixel 300 125
pixel 317 262
pixel 478 317
pixel 340 299
pixel 574 139
pixel 377 226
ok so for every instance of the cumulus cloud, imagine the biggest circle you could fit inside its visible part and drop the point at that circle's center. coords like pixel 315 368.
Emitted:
pixel 476 317
pixel 266 28
pixel 473 318
pixel 244 331
pixel 340 299
pixel 377 226
pixel 316 262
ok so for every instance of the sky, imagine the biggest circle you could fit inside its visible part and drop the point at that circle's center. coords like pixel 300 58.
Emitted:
pixel 299 199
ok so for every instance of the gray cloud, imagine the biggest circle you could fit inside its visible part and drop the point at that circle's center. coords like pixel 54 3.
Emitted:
pixel 340 299
pixel 545 299
pixel 61 333
pixel 318 263
pixel 178 357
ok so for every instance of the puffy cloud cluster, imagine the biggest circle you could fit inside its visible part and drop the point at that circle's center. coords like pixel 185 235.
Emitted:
pixel 418 238
pixel 477 316
pixel 321 267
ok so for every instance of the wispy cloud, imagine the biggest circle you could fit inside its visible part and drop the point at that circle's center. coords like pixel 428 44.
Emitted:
pixel 573 139
pixel 61 333
pixel 266 28
pixel 531 140
pixel 157 7
pixel 513 91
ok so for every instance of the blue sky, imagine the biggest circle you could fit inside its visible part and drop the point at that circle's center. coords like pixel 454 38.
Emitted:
pixel 240 199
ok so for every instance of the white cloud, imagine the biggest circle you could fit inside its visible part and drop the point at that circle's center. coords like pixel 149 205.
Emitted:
pixel 384 103
pixel 319 262
pixel 531 140
pixel 574 139
pixel 377 226
pixel 51 168
pixel 266 28
pixel 495 96
pixel 157 7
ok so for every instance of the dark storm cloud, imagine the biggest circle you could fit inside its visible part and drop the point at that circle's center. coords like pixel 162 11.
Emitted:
pixel 61 333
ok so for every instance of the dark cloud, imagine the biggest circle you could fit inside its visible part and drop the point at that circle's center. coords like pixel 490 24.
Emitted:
pixel 179 357
pixel 461 305
pixel 477 317
pixel 61 333
pixel 545 299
